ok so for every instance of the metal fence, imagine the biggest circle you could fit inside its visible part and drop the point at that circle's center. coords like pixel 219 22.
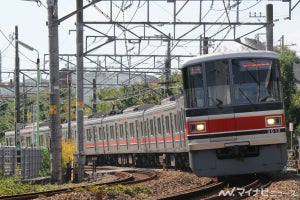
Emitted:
pixel 7 161
pixel 26 162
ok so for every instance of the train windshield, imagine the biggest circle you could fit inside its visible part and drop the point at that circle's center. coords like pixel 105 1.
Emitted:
pixel 256 80
pixel 226 82
pixel 194 88
pixel 211 90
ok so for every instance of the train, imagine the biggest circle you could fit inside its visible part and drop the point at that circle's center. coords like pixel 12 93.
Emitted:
pixel 228 121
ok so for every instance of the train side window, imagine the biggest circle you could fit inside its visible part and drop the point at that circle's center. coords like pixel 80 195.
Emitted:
pixel 151 127
pixel 107 132
pixel 121 131
pixel 89 135
pixel 112 134
pixel 126 130
pixel 142 130
pixel 175 123
pixel 101 133
pixel 146 125
pixel 155 126
pixel 163 124
pixel 28 142
pixel 41 140
pixel 131 130
pixel 167 124
pixel 117 135
pixel 10 142
pixel 158 126
pixel 136 127
pixel 171 123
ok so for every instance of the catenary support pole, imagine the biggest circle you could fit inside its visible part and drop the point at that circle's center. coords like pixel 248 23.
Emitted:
pixel 55 123
pixel 269 29
pixel 79 88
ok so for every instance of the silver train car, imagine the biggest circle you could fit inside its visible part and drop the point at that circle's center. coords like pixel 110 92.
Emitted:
pixel 234 113
pixel 141 136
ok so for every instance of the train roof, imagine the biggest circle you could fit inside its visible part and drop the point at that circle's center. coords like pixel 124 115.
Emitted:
pixel 218 56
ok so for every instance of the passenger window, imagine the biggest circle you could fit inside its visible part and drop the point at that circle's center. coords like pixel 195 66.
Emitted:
pixel 121 131
pixel 167 125
pixel 112 134
pixel 131 129
pixel 158 126
pixel 136 127
pixel 89 135
pixel 151 127
pixel 175 123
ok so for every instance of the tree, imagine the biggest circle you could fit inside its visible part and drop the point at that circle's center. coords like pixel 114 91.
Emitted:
pixel 7 119
pixel 287 59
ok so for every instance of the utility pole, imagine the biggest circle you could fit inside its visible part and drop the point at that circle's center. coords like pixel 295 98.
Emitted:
pixel 282 43
pixel 17 92
pixel 168 67
pixel 269 29
pixel 94 96
pixel 79 88
pixel 24 102
pixel 55 122
pixel 205 45
pixel 69 104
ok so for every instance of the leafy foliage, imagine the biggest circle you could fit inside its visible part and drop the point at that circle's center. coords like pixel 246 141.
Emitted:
pixel 289 87
pixel 45 168
pixel 137 94
pixel 68 150
pixel 7 118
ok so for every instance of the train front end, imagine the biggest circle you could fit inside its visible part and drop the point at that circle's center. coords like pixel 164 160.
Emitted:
pixel 235 120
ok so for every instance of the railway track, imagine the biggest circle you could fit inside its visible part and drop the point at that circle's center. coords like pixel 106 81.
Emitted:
pixel 216 190
pixel 247 189
pixel 194 192
pixel 123 178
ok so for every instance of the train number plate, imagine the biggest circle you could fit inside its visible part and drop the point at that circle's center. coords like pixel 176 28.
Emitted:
pixel 274 130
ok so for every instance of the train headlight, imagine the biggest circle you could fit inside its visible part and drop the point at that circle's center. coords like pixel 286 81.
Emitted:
pixel 273 121
pixel 198 127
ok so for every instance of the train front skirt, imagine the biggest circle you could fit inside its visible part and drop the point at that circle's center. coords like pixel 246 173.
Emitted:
pixel 266 158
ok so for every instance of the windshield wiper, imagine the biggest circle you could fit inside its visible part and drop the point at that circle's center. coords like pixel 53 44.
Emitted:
pixel 245 95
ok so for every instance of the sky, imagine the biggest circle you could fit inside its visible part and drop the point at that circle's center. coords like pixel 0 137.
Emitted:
pixel 31 20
